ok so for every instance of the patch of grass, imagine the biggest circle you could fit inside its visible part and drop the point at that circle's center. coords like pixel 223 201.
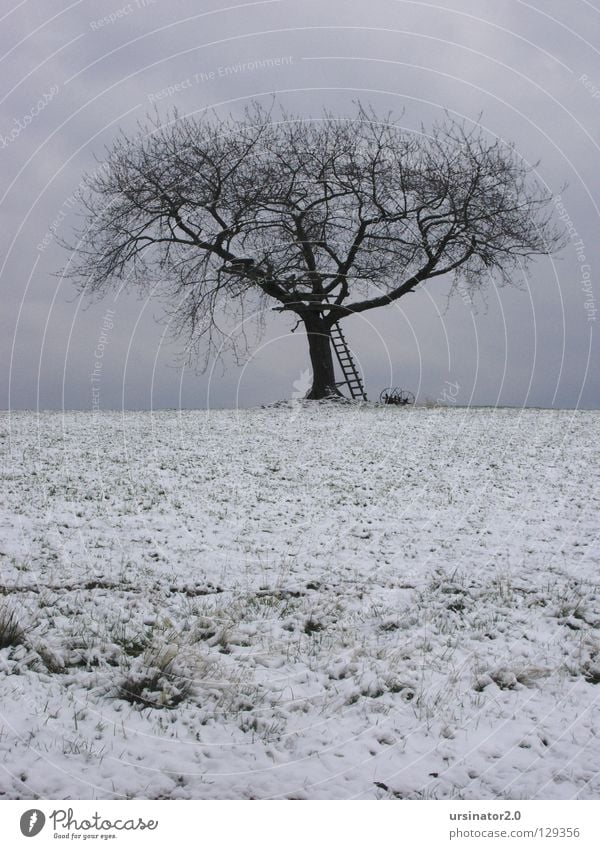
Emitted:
pixel 50 659
pixel 373 690
pixel 153 681
pixel 391 794
pixel 456 606
pixel 83 747
pixel 393 685
pixel 591 671
pixel 268 730
pixel 133 644
pixel 11 632
pixel 267 605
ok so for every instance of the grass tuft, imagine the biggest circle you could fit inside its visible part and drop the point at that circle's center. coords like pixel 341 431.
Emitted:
pixel 153 681
pixel 11 632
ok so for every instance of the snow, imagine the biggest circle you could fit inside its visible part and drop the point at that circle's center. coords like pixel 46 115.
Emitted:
pixel 307 601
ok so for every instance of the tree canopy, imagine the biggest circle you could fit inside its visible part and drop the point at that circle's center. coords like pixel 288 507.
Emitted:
pixel 322 218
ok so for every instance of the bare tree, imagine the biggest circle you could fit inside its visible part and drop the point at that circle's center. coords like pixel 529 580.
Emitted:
pixel 320 218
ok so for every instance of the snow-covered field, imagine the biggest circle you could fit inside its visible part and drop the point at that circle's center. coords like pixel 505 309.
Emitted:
pixel 300 602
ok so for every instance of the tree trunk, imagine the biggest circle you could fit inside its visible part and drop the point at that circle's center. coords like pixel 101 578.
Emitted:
pixel 319 345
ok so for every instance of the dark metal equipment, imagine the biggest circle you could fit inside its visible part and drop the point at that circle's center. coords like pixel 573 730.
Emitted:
pixel 396 396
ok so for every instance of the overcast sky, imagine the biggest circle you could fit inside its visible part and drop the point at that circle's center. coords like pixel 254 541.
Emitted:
pixel 74 73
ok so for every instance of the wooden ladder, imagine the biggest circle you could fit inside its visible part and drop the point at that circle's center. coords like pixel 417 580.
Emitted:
pixel 352 378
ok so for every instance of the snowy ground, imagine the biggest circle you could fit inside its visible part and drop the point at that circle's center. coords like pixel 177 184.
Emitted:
pixel 299 602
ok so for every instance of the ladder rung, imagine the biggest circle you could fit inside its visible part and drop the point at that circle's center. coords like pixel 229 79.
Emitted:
pixel 352 379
